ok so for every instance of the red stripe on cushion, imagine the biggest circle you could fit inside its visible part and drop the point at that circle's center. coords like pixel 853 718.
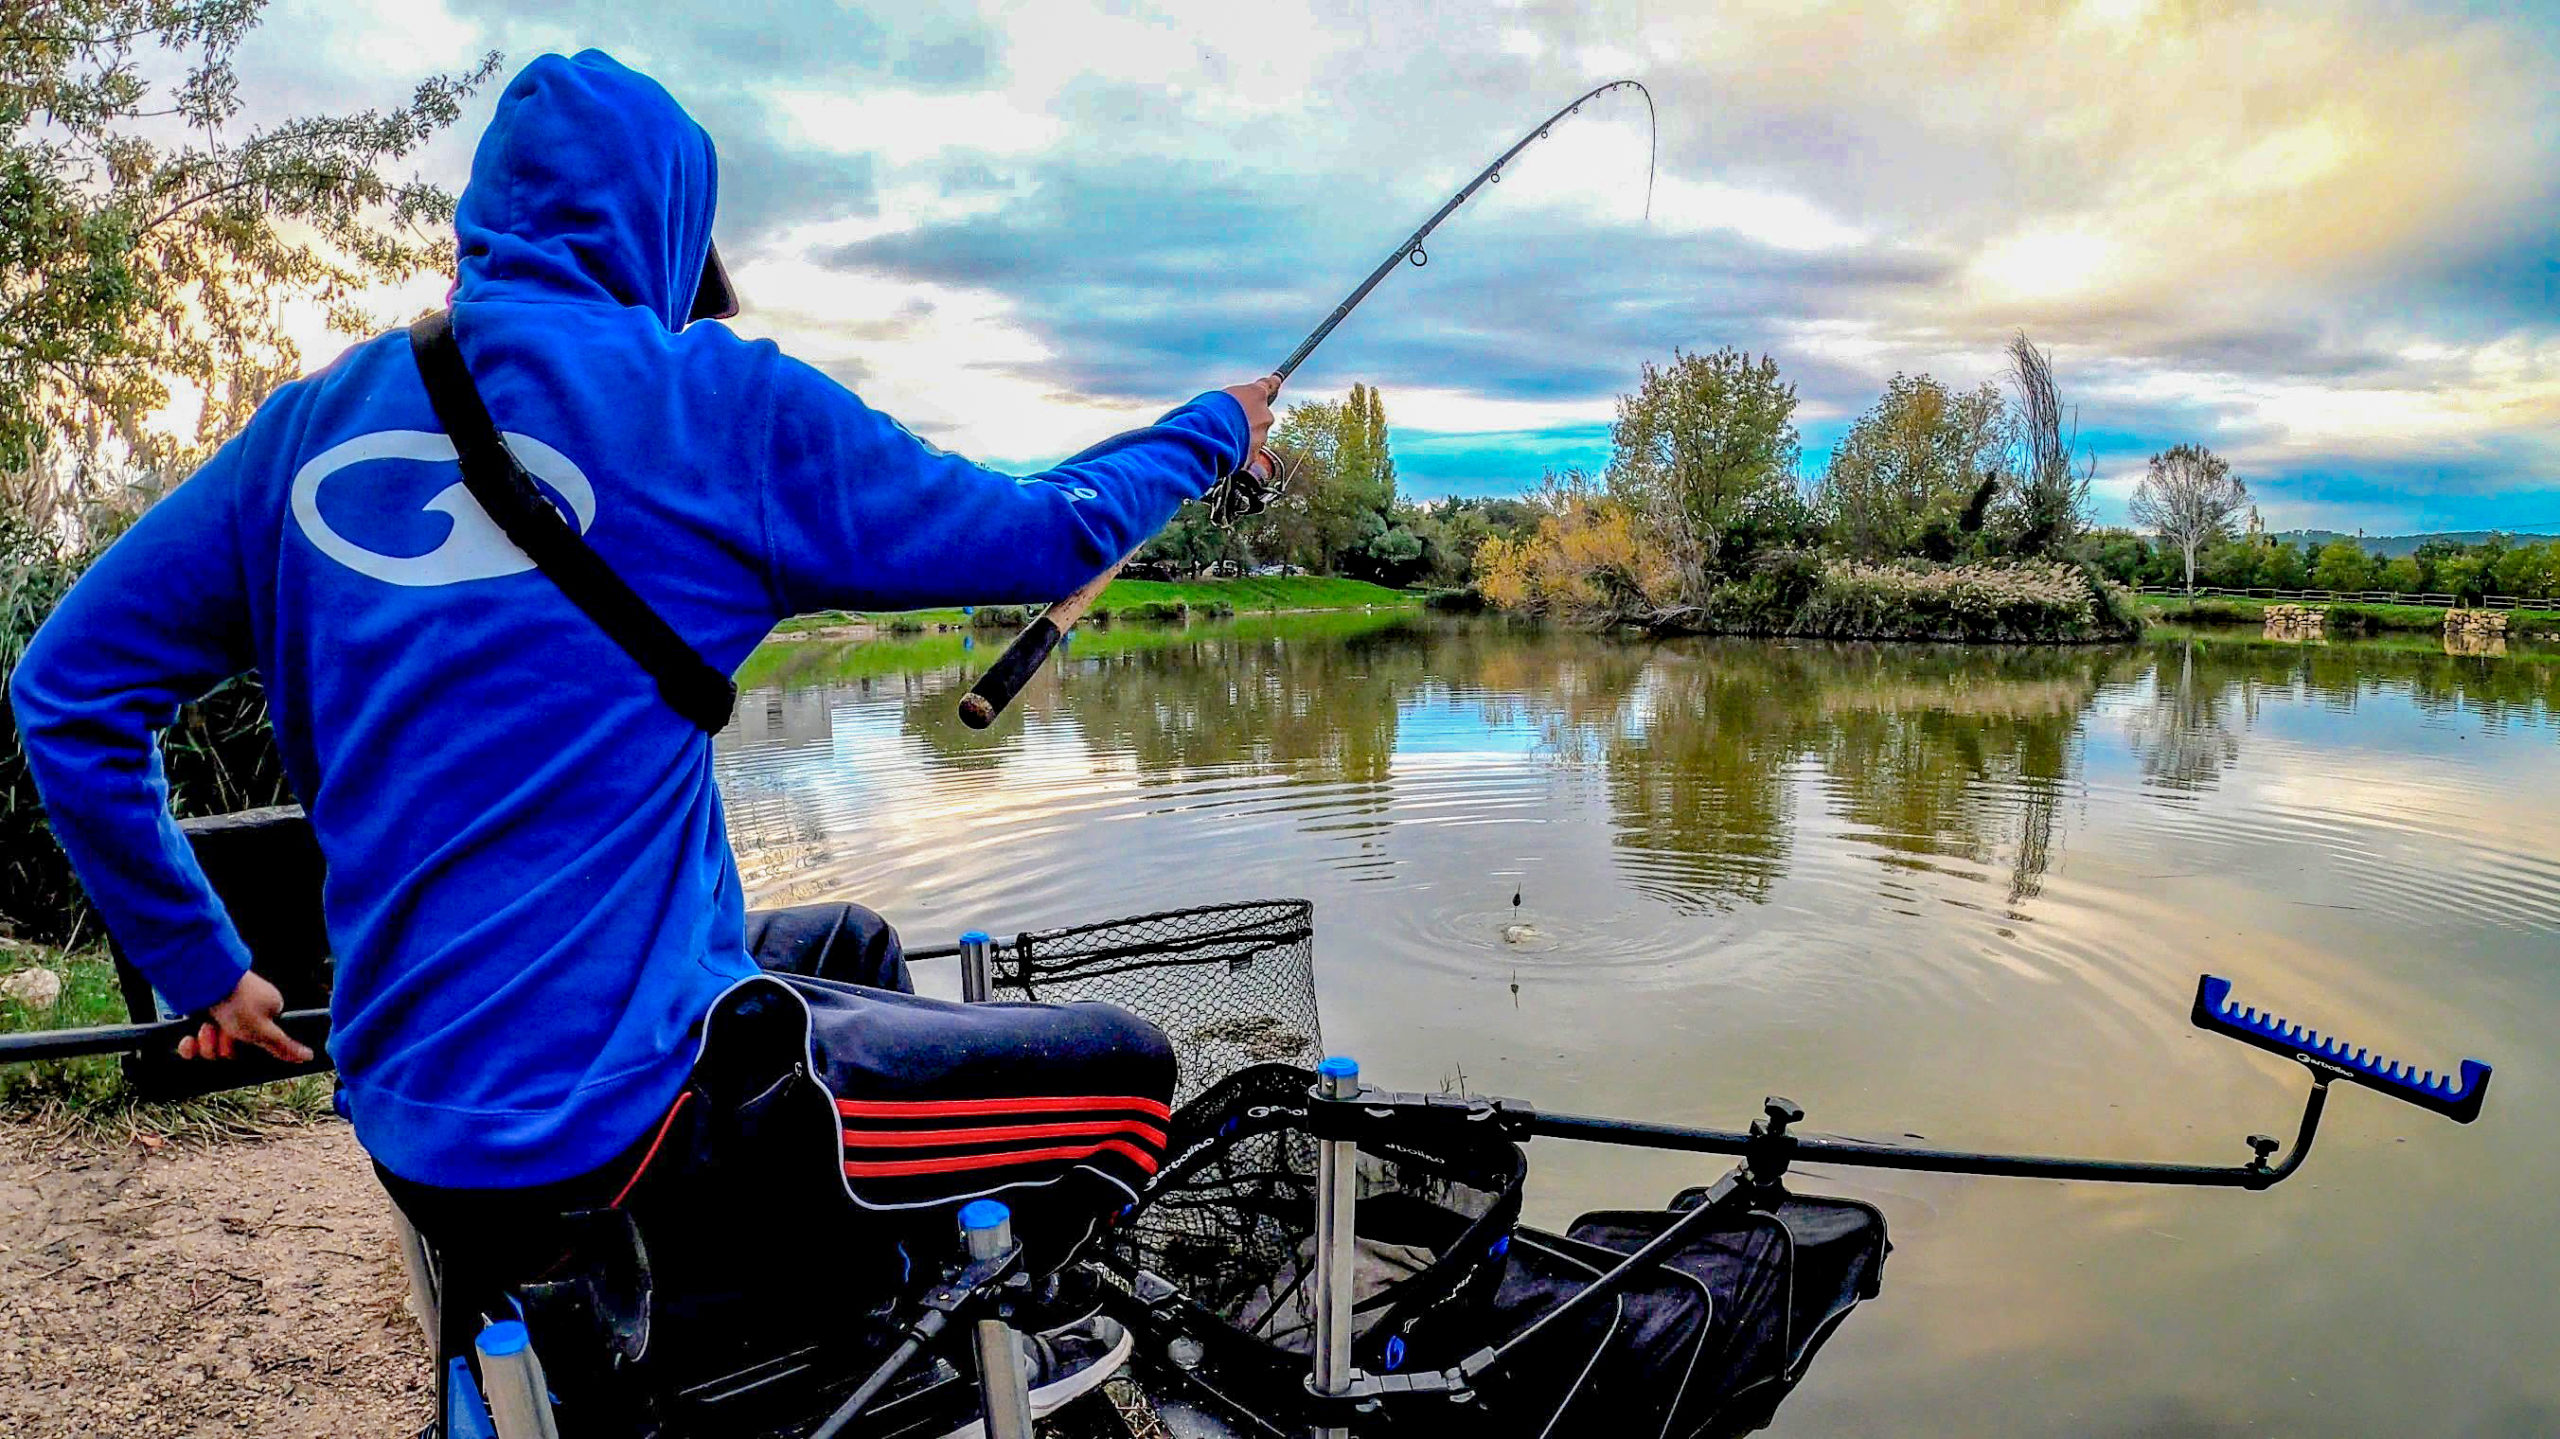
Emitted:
pixel 927 1138
pixel 938 1108
pixel 950 1164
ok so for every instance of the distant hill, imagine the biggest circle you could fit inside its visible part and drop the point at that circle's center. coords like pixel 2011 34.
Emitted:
pixel 2392 547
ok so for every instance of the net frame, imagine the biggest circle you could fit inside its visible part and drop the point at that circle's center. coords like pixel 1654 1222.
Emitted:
pixel 1232 985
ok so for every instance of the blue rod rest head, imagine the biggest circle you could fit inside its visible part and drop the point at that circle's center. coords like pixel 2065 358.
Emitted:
pixel 976 936
pixel 503 1338
pixel 2335 1058
pixel 1339 1066
pixel 984 1214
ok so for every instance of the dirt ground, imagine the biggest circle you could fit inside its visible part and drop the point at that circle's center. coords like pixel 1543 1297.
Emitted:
pixel 249 1287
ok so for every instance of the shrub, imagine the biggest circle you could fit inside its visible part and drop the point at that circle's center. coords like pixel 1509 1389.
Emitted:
pixel 1157 610
pixel 1000 617
pixel 219 756
pixel 1589 561
pixel 904 625
pixel 2030 601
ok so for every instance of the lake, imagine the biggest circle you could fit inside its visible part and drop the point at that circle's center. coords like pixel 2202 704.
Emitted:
pixel 1960 894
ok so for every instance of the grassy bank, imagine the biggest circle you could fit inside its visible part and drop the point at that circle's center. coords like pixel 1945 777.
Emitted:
pixel 1140 600
pixel 898 654
pixel 2343 618
pixel 86 1098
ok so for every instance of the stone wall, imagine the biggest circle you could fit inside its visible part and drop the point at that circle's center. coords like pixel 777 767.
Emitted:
pixel 2297 622
pixel 2475 632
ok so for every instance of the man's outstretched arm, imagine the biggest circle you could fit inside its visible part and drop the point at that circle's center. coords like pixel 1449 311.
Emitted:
pixel 864 515
pixel 157 621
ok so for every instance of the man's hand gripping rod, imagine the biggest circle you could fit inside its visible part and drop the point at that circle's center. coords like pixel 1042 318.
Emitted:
pixel 1030 649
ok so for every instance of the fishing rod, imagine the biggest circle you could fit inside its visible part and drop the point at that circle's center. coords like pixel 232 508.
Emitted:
pixel 1030 649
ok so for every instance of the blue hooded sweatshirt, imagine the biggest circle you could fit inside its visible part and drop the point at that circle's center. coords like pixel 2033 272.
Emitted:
pixel 530 893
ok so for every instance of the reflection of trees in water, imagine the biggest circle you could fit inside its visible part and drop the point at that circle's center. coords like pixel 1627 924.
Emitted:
pixel 775 827
pixel 1701 747
pixel 2206 691
pixel 2189 732
pixel 1925 751
pixel 1936 752
pixel 1315 711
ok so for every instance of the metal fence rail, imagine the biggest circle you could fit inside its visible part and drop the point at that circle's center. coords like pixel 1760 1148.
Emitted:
pixel 2350 597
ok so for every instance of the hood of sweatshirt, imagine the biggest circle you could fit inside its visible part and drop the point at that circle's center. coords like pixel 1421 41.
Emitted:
pixel 591 185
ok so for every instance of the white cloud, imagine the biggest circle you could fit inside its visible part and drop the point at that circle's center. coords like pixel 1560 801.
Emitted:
pixel 906 126
pixel 2223 217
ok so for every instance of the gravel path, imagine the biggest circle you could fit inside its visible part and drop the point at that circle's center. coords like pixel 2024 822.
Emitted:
pixel 245 1288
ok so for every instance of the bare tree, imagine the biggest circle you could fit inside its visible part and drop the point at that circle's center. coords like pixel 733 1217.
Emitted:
pixel 2188 499
pixel 2050 506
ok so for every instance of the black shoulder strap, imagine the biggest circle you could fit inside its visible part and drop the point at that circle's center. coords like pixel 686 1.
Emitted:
pixel 686 680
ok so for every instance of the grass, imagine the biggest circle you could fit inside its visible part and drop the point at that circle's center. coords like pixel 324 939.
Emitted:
pixel 815 661
pixel 1144 599
pixel 2346 618
pixel 1247 593
pixel 85 1101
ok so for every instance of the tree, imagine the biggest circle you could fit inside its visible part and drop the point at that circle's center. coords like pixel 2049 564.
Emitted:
pixel 148 252
pixel 1589 561
pixel 1700 443
pixel 2188 499
pixel 2403 576
pixel 2120 555
pixel 2049 507
pixel 1342 485
pixel 1915 474
pixel 2465 575
pixel 2282 567
pixel 1188 544
pixel 144 248
pixel 2232 564
pixel 2528 571
pixel 2342 565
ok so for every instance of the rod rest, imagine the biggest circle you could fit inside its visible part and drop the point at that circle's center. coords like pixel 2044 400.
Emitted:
pixel 2456 1099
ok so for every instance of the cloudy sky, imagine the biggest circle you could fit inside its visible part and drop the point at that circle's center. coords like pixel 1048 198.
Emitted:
pixel 2321 238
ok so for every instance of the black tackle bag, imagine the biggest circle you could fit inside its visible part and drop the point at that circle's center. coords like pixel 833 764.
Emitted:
pixel 1707 1344
pixel 1214 1264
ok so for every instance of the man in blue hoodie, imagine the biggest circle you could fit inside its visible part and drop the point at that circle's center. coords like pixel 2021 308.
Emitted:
pixel 530 892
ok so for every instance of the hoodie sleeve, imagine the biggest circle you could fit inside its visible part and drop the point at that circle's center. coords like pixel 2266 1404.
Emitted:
pixel 864 515
pixel 159 619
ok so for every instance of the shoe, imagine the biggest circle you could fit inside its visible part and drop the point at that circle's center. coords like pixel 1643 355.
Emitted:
pixel 1063 1300
pixel 1061 1366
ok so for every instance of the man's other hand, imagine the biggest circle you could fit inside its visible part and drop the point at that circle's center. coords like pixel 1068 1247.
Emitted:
pixel 247 1017
pixel 1256 397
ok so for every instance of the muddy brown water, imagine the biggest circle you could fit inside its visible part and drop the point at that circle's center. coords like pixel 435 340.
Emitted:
pixel 1953 895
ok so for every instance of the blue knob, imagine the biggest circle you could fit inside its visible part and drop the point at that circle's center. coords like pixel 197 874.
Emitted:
pixel 1339 1066
pixel 503 1338
pixel 982 1214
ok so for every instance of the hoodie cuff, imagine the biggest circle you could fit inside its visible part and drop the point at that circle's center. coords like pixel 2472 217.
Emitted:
pixel 197 977
pixel 1233 430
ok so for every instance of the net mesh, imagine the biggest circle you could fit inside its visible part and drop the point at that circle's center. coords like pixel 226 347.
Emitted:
pixel 1231 1220
pixel 1232 985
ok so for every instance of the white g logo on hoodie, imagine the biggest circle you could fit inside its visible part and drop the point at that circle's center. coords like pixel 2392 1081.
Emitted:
pixel 476 549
